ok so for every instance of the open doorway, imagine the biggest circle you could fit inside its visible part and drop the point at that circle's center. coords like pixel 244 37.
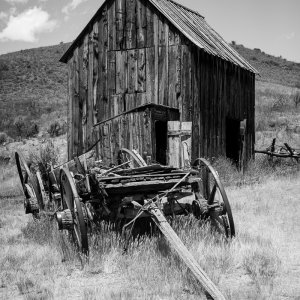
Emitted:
pixel 161 135
pixel 233 139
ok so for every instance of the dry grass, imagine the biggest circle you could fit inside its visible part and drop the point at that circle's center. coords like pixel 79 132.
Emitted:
pixel 260 263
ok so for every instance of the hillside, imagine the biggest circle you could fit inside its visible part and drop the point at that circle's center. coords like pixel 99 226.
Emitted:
pixel 33 83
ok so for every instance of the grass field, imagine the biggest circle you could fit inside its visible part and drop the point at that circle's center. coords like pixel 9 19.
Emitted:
pixel 262 262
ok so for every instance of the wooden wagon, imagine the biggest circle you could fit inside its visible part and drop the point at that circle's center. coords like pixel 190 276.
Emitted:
pixel 83 193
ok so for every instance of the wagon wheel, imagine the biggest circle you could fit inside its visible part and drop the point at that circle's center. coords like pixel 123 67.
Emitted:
pixel 211 198
pixel 33 200
pixel 134 159
pixel 71 202
pixel 44 196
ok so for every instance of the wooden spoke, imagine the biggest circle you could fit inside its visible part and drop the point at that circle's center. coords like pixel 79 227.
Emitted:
pixel 33 198
pixel 71 201
pixel 218 207
pixel 211 197
pixel 126 155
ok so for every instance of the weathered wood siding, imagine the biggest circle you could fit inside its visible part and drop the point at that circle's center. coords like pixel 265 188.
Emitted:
pixel 132 55
pixel 220 90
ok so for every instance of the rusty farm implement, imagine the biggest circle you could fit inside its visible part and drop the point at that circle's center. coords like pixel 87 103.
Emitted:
pixel 82 192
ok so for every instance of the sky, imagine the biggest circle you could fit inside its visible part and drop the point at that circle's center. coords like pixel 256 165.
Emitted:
pixel 270 25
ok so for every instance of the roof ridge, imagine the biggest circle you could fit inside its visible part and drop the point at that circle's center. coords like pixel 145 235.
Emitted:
pixel 186 8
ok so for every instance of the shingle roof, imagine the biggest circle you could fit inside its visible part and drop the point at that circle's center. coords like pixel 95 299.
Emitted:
pixel 191 24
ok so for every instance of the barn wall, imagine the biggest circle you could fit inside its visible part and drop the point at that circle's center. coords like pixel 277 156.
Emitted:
pixel 220 90
pixel 132 55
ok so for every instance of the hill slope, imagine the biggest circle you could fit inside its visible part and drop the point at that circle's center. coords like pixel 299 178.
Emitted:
pixel 33 83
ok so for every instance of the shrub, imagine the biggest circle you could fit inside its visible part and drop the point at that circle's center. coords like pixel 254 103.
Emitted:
pixel 32 129
pixel 3 138
pixel 57 128
pixel 20 125
pixel 296 98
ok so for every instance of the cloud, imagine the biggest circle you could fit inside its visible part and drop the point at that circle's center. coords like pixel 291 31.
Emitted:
pixel 71 6
pixel 16 1
pixel 3 15
pixel 290 36
pixel 27 25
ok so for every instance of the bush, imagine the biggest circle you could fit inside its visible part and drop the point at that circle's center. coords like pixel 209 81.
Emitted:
pixel 57 128
pixel 3 138
pixel 296 98
pixel 20 125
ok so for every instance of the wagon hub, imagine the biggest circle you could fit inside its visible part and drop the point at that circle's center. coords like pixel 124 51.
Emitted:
pixel 64 219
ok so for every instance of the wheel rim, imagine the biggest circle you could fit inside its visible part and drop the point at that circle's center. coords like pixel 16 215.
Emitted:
pixel 71 200
pixel 27 178
pixel 219 210
pixel 126 155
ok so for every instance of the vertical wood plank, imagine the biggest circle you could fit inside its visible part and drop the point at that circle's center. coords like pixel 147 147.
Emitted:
pixel 150 74
pixel 102 106
pixel 85 86
pixel 150 25
pixel 120 24
pixel 90 102
pixel 121 72
pixel 132 71
pixel 163 72
pixel 141 23
pixel 130 24
pixel 76 102
pixel 186 84
pixel 70 107
pixel 111 81
pixel 95 70
pixel 156 55
pixel 82 94
pixel 141 72
pixel 111 26
pixel 175 76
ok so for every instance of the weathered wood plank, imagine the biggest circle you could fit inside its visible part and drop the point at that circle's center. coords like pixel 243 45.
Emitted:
pixel 150 25
pixel 120 24
pixel 90 102
pixel 141 24
pixel 174 144
pixel 85 86
pixel 82 98
pixel 111 25
pixel 130 24
pixel 174 81
pixel 150 74
pixel 75 102
pixel 132 71
pixel 95 70
pixel 163 72
pixel 156 55
pixel 130 101
pixel 141 72
pixel 111 81
pixel 70 107
pixel 102 105
pixel 184 254
pixel 186 76
pixel 121 72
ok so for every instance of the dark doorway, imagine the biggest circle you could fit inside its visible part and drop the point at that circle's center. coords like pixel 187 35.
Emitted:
pixel 161 134
pixel 233 139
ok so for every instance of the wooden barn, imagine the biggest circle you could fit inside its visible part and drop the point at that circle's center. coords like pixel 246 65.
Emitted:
pixel 152 75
